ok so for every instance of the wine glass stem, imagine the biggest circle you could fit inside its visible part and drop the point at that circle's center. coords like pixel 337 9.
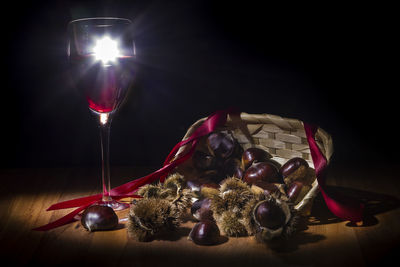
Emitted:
pixel 105 123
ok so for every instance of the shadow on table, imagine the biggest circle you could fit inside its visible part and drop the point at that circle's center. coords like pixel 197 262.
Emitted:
pixel 182 232
pixel 295 242
pixel 375 203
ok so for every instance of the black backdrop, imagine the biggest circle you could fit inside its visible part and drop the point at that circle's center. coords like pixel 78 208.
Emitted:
pixel 325 64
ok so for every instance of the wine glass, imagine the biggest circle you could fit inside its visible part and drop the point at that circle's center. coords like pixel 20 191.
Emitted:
pixel 101 53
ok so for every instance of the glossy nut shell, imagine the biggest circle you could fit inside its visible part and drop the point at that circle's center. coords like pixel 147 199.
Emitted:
pixel 98 217
pixel 262 171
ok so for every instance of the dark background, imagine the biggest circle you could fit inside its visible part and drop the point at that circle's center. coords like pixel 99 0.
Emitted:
pixel 325 64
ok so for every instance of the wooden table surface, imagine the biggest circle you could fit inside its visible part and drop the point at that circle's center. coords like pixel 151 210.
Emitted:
pixel 325 240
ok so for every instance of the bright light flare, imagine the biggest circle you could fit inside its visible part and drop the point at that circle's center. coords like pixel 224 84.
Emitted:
pixel 104 118
pixel 106 50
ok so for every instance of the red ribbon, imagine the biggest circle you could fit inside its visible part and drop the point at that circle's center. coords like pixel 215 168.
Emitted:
pixel 342 206
pixel 345 209
pixel 215 120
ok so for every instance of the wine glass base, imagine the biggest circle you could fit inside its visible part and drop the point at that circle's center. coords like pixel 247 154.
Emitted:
pixel 115 205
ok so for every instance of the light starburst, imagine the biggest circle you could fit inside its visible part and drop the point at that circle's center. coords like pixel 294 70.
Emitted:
pixel 106 50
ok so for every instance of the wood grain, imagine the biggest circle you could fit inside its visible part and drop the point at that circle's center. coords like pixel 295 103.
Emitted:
pixel 324 241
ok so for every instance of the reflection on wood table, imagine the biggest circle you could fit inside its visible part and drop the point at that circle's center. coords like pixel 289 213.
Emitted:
pixel 324 241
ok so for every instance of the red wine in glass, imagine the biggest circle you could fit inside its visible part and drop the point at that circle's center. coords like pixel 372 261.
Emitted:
pixel 103 85
pixel 101 55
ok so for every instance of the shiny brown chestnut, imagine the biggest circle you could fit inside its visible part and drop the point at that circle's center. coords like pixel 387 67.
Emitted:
pixel 203 161
pixel 201 209
pixel 253 154
pixel 294 169
pixel 294 190
pixel 270 215
pixel 232 167
pixel 264 171
pixel 205 232
pixel 98 217
pixel 220 144
pixel 274 162
pixel 269 188
pixel 197 185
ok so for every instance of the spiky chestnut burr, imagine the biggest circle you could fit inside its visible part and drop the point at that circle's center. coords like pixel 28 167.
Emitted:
pixel 231 223
pixel 270 218
pixel 228 204
pixel 172 190
pixel 150 218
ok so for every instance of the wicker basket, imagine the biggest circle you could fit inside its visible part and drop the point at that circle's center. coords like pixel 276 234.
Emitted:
pixel 283 138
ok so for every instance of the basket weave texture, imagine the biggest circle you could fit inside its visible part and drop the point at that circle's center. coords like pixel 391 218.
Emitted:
pixel 283 138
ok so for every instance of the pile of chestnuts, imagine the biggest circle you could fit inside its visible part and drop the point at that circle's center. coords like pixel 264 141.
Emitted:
pixel 220 159
pixel 234 192
pixel 293 179
pixel 264 191
pixel 254 166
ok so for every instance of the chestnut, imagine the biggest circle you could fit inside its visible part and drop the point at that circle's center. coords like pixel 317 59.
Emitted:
pixel 203 161
pixel 205 232
pixel 270 215
pixel 199 183
pixel 294 190
pixel 232 167
pixel 254 154
pixel 264 171
pixel 268 188
pixel 98 217
pixel 238 152
pixel 274 162
pixel 201 209
pixel 294 169
pixel 221 145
